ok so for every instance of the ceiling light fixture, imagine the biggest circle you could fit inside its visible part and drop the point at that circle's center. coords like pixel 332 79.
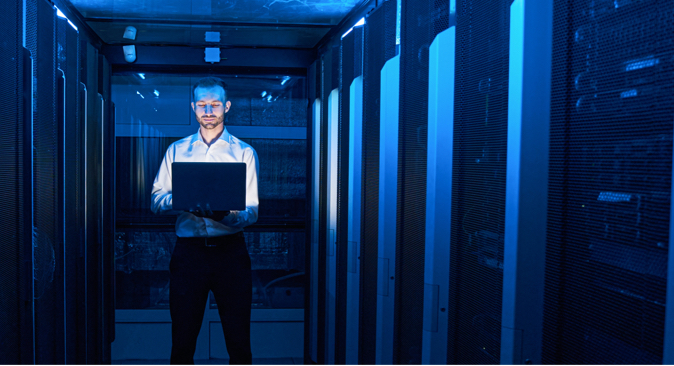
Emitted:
pixel 60 14
pixel 212 54
pixel 129 53
pixel 130 33
pixel 358 24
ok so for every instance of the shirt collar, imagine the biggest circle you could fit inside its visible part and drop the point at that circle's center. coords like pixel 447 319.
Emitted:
pixel 225 136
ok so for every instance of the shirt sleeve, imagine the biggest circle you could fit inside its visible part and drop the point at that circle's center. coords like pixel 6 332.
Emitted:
pixel 162 199
pixel 240 219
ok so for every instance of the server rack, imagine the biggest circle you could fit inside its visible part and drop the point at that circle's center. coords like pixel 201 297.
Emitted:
pixel 478 182
pixel 442 65
pixel 16 223
pixel 606 231
pixel 387 225
pixel 420 22
pixel 330 122
pixel 610 183
pixel 350 67
pixel 68 59
pixel 47 218
pixel 45 153
pixel 314 140
pixel 526 183
pixel 379 46
pixel 323 234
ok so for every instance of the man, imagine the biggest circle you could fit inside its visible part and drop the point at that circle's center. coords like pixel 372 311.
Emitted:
pixel 210 252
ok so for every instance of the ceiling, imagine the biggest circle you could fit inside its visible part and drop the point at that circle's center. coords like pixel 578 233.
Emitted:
pixel 243 23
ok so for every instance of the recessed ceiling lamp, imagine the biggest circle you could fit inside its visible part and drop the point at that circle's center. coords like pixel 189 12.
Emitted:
pixel 129 53
pixel 130 33
pixel 212 54
pixel 212 36
pixel 130 50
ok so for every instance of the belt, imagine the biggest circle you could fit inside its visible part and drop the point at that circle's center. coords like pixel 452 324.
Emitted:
pixel 213 241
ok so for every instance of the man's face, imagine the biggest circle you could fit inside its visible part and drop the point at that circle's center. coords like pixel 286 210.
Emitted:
pixel 210 107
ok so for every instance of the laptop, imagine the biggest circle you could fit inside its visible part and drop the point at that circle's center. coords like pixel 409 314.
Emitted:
pixel 220 185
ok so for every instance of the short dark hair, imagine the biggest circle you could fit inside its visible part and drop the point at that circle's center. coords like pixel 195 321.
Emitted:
pixel 209 82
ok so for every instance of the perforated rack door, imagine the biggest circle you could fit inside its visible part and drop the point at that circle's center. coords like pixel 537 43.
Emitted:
pixel 478 191
pixel 350 67
pixel 48 221
pixel 12 184
pixel 421 21
pixel 610 182
pixel 379 47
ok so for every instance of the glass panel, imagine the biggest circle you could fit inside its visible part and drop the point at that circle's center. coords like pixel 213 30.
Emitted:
pixel 154 111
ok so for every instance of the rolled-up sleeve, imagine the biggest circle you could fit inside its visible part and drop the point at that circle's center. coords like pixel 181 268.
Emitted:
pixel 162 202
pixel 240 219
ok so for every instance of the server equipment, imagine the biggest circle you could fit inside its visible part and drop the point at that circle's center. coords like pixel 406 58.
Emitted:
pixel 610 182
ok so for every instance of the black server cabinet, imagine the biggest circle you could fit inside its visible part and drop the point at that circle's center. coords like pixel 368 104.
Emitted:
pixel 98 185
pixel 479 181
pixel 107 199
pixel 15 221
pixel 310 343
pixel 420 22
pixel 91 245
pixel 610 181
pixel 350 67
pixel 53 280
pixel 379 46
pixel 47 218
pixel 325 83
pixel 68 99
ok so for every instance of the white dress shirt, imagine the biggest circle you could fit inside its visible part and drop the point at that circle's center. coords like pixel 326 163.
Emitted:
pixel 192 148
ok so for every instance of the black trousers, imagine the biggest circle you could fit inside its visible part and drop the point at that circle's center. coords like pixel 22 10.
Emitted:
pixel 197 269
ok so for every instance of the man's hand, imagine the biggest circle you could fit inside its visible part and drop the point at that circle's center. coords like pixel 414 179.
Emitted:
pixel 207 213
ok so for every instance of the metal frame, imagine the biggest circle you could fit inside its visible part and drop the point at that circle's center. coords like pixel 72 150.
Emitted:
pixel 668 347
pixel 388 187
pixel 439 196
pixel 331 258
pixel 325 76
pixel 83 341
pixel 316 169
pixel 61 122
pixel 354 211
pixel 28 323
pixel 310 252
pixel 526 180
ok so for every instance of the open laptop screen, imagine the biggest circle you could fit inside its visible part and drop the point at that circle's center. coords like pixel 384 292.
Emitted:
pixel 220 185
